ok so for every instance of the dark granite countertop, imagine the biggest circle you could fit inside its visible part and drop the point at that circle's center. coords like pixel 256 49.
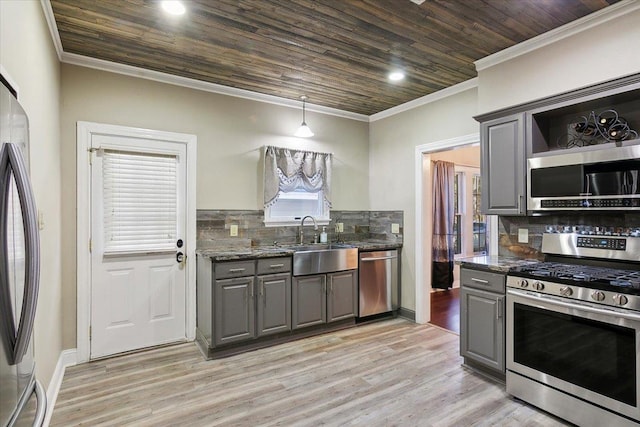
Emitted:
pixel 375 245
pixel 255 252
pixel 493 263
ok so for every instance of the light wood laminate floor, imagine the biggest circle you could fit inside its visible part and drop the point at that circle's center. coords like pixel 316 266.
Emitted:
pixel 389 373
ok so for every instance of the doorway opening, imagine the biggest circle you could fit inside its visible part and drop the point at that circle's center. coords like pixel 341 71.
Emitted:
pixel 474 234
pixel 469 229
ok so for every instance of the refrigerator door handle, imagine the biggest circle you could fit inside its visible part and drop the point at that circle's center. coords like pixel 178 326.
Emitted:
pixel 41 410
pixel 32 250
pixel 7 325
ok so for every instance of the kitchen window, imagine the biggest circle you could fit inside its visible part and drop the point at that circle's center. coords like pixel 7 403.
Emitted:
pixel 296 184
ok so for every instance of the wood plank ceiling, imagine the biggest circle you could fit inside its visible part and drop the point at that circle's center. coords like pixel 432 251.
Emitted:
pixel 338 52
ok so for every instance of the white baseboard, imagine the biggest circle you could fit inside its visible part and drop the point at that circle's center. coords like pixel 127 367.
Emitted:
pixel 67 358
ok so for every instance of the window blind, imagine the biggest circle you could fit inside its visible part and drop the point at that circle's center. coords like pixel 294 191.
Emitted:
pixel 140 196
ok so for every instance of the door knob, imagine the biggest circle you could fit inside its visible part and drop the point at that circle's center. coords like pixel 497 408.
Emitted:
pixel 180 257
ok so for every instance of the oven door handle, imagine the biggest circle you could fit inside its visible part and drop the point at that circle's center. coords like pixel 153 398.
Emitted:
pixel 588 309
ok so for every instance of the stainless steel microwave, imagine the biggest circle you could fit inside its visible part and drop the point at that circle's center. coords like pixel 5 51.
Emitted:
pixel 594 179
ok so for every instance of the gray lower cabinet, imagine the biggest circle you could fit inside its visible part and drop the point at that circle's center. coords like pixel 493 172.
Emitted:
pixel 234 312
pixel 273 304
pixel 324 298
pixel 482 323
pixel 342 298
pixel 502 152
pixel 242 300
pixel 309 300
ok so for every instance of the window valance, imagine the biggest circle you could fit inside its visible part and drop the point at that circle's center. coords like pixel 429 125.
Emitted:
pixel 287 170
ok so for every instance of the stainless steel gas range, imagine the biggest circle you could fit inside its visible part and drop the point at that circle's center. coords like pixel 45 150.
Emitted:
pixel 573 328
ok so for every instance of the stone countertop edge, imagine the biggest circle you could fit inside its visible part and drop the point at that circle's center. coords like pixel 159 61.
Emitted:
pixel 235 254
pixel 494 263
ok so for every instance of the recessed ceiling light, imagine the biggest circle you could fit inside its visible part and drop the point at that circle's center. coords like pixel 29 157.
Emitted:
pixel 174 7
pixel 396 76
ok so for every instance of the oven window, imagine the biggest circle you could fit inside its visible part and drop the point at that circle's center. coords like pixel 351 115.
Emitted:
pixel 596 356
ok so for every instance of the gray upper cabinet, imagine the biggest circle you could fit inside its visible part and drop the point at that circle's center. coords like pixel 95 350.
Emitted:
pixel 342 295
pixel 482 332
pixel 503 165
pixel 234 313
pixel 309 300
pixel 274 303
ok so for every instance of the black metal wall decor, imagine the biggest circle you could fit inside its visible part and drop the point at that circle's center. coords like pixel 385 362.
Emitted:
pixel 597 128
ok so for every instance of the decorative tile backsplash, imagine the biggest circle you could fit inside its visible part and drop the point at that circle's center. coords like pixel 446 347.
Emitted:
pixel 508 229
pixel 213 228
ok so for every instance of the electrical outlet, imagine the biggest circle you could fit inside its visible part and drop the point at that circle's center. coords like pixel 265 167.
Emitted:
pixel 233 230
pixel 395 228
pixel 340 227
pixel 523 235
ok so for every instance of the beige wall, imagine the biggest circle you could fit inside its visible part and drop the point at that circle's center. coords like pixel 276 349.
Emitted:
pixel 28 56
pixel 392 146
pixel 601 53
pixel 231 133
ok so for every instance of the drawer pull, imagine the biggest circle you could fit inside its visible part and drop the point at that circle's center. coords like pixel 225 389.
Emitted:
pixel 276 266
pixel 484 282
pixel 236 270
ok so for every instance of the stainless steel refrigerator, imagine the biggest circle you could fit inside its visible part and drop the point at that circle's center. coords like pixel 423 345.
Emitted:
pixel 22 398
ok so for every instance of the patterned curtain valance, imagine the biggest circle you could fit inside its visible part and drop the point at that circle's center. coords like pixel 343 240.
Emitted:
pixel 287 170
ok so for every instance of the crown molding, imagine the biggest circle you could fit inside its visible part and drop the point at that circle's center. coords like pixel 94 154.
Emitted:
pixel 128 70
pixel 427 99
pixel 607 14
pixel 53 27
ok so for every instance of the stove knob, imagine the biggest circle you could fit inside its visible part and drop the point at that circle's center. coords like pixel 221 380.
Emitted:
pixel 620 299
pixel 538 286
pixel 597 295
pixel 566 291
pixel 523 283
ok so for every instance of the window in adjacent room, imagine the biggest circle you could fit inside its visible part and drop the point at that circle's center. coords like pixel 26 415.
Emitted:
pixel 458 204
pixel 479 220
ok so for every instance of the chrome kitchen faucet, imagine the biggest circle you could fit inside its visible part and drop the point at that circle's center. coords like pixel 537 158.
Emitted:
pixel 315 227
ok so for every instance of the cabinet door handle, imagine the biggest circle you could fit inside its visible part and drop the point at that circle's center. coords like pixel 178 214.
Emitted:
pixel 519 203
pixel 276 266
pixel 236 270
pixel 499 308
pixel 251 290
pixel 484 282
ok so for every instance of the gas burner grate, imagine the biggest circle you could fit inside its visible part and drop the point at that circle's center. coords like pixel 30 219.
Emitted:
pixel 582 274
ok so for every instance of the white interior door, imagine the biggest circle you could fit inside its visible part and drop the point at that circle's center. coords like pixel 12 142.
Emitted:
pixel 138 293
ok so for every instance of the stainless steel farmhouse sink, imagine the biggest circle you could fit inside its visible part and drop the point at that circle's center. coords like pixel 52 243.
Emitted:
pixel 323 258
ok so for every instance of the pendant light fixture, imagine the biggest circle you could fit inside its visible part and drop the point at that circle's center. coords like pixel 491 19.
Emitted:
pixel 303 131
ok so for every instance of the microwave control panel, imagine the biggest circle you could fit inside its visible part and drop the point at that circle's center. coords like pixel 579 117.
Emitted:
pixel 621 202
pixel 599 242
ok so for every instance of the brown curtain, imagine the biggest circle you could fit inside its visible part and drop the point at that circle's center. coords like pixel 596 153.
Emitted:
pixel 442 267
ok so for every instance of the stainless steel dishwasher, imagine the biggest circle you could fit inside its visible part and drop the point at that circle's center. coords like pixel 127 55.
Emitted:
pixel 378 282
